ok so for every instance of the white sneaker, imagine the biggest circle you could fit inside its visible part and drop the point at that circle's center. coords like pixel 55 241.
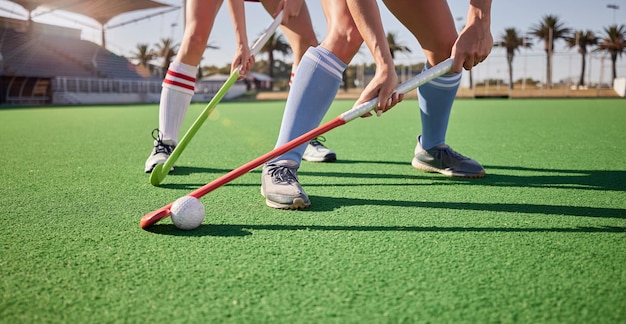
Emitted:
pixel 161 151
pixel 280 186
pixel 317 152
pixel 443 159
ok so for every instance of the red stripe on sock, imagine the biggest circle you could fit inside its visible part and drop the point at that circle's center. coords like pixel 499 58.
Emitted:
pixel 179 84
pixel 181 76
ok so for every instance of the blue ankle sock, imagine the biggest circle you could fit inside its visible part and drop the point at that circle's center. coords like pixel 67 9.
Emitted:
pixel 312 92
pixel 435 100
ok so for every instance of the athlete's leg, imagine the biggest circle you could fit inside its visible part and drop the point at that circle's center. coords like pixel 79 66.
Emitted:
pixel 314 87
pixel 179 82
pixel 319 77
pixel 299 30
pixel 432 24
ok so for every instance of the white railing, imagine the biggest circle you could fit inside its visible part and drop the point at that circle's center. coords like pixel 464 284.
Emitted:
pixel 75 90
pixel 89 85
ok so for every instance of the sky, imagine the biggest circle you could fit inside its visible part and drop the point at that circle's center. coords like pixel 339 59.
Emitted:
pixel 522 15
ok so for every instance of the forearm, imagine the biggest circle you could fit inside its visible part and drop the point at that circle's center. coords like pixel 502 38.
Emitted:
pixel 475 40
pixel 238 17
pixel 367 19
pixel 479 13
pixel 366 16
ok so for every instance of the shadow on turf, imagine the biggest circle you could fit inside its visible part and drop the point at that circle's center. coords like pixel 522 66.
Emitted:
pixel 342 161
pixel 185 170
pixel 238 230
pixel 203 230
pixel 612 180
pixel 324 204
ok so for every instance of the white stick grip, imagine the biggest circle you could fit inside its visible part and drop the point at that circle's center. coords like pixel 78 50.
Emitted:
pixel 404 87
pixel 256 47
pixel 267 33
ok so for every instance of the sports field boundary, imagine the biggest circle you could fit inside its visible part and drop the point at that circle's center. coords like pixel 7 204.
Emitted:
pixel 467 93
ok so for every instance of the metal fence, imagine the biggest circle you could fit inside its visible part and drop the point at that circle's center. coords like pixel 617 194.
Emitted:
pixel 88 85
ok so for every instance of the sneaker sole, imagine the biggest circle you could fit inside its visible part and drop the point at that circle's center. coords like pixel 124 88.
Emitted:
pixel 327 158
pixel 298 203
pixel 451 173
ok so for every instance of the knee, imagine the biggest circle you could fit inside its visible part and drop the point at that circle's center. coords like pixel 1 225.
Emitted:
pixel 444 46
pixel 307 41
pixel 439 49
pixel 301 39
pixel 343 42
pixel 197 41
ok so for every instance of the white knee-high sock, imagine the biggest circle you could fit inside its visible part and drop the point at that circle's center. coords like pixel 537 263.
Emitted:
pixel 178 88
pixel 312 92
pixel 435 100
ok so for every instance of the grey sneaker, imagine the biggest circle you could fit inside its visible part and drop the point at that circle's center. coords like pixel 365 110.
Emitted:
pixel 280 187
pixel 161 151
pixel 445 160
pixel 317 152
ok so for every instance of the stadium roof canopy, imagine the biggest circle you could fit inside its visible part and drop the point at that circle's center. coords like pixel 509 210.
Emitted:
pixel 100 10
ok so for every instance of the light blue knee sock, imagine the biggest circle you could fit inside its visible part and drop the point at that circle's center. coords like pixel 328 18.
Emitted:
pixel 435 100
pixel 312 92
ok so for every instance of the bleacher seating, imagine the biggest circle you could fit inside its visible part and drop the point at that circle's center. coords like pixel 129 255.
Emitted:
pixel 38 55
pixel 27 56
pixel 113 66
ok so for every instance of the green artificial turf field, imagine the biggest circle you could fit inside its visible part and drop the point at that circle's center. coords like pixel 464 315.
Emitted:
pixel 542 238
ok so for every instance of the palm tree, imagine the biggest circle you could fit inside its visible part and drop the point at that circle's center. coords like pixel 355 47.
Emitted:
pixel 512 41
pixel 165 50
pixel 394 46
pixel 614 42
pixel 582 39
pixel 275 43
pixel 549 30
pixel 143 54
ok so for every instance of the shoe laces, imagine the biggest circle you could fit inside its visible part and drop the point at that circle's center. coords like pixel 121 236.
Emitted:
pixel 447 154
pixel 318 141
pixel 160 147
pixel 282 174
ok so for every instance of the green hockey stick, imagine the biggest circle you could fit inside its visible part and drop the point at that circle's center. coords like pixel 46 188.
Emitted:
pixel 160 171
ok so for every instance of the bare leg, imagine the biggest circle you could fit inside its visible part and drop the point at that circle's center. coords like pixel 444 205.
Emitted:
pixel 299 30
pixel 200 16
pixel 431 23
pixel 343 39
pixel 316 84
pixel 179 82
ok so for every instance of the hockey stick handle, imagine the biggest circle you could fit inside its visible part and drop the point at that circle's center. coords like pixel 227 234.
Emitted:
pixel 404 87
pixel 267 33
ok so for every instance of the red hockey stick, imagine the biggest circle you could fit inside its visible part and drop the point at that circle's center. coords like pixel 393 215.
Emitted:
pixel 151 218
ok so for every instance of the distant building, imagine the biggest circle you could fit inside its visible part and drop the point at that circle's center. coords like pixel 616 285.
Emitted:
pixel 258 82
